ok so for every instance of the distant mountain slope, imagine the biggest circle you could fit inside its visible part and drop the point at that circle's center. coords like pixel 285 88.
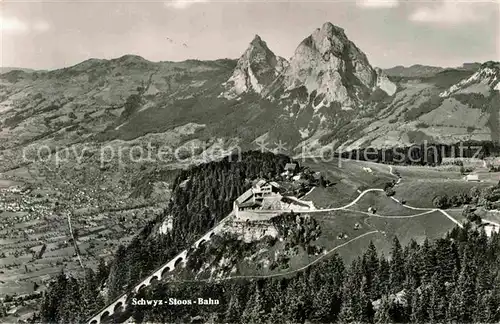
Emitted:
pixel 7 69
pixel 414 71
pixel 452 106
pixel 99 96
pixel 425 71
pixel 328 95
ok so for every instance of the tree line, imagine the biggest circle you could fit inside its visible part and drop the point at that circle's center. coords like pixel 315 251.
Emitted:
pixel 452 279
pixel 428 154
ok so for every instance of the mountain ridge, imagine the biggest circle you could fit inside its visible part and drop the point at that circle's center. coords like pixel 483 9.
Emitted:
pixel 327 95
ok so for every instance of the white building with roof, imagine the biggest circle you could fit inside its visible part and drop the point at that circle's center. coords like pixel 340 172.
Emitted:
pixel 472 178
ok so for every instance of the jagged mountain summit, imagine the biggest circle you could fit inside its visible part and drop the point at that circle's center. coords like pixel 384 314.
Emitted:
pixel 325 63
pixel 256 69
pixel 330 64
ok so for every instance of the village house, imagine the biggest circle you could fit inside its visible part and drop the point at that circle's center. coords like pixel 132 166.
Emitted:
pixel 290 169
pixel 472 178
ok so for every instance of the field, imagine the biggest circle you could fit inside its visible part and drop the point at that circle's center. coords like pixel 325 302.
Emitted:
pixel 347 177
pixel 383 205
pixel 457 214
pixel 420 193
pixel 331 197
pixel 433 225
pixel 418 186
pixel 423 172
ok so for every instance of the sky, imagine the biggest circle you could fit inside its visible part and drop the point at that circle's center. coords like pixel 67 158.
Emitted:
pixel 55 34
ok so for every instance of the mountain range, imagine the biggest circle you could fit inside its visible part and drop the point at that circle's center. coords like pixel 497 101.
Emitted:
pixel 326 95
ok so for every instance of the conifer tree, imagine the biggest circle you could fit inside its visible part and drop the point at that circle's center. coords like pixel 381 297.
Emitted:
pixel 383 275
pixel 370 266
pixel 254 310
pixel 234 312
pixel 396 273
pixel 438 302
pixel 466 288
pixel 383 314
pixel 417 314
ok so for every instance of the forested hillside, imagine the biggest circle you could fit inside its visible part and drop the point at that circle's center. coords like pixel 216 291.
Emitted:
pixel 202 195
pixel 454 279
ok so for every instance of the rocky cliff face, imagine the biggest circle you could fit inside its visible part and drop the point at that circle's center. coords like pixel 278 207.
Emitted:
pixel 256 69
pixel 384 83
pixel 330 64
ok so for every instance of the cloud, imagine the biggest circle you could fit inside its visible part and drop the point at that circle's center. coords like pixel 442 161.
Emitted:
pixel 182 4
pixel 12 24
pixel 41 26
pixel 449 12
pixel 16 25
pixel 377 3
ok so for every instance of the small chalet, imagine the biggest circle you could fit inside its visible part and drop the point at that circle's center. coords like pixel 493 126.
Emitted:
pixel 290 169
pixel 472 178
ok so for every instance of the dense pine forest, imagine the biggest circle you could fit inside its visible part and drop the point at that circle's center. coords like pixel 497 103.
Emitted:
pixel 453 279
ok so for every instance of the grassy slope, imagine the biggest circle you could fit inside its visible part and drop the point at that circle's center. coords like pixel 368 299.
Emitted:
pixel 421 193
pixel 348 176
pixel 383 204
pixel 419 185
pixel 457 214
pixel 433 225
pixel 419 173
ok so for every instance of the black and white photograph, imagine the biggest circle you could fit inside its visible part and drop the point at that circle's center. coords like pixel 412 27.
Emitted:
pixel 249 161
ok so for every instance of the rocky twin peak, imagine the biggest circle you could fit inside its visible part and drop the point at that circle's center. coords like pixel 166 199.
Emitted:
pixel 330 64
pixel 256 69
pixel 327 64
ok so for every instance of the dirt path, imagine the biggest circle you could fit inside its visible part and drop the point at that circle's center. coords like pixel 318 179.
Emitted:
pixel 349 204
pixel 281 273
pixel 395 216
pixel 459 224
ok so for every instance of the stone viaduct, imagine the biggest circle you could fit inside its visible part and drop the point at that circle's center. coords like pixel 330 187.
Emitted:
pixel 178 261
